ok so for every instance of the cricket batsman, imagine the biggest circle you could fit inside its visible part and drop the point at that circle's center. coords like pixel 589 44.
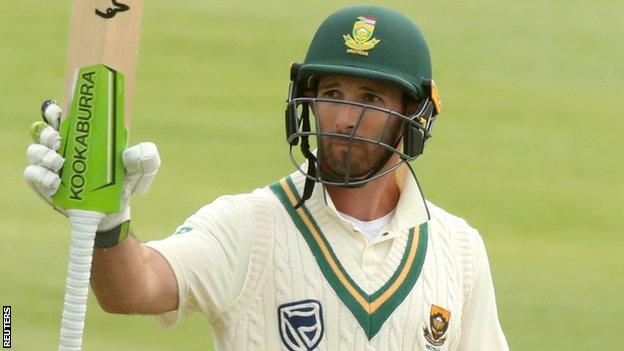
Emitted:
pixel 345 253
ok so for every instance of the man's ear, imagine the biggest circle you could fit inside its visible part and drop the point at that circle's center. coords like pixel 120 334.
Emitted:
pixel 311 87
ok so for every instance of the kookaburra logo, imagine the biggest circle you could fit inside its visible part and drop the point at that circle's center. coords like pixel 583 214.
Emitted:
pixel 112 10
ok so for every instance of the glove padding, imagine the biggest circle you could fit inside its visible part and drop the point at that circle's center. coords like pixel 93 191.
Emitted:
pixel 141 163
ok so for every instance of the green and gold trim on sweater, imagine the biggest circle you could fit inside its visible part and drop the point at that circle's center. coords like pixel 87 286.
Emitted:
pixel 371 311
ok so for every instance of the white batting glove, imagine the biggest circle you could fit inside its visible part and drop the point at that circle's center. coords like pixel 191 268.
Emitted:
pixel 141 163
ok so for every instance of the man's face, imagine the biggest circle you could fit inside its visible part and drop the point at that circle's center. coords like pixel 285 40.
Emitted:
pixel 339 155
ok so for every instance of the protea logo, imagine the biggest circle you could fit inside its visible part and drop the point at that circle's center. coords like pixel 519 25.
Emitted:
pixel 438 324
pixel 362 39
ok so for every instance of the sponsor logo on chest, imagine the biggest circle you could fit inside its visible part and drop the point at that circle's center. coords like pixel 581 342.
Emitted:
pixel 301 324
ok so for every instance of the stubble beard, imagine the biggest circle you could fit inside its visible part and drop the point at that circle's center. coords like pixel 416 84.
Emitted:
pixel 364 158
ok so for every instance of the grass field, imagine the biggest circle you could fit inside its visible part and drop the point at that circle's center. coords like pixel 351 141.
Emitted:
pixel 528 149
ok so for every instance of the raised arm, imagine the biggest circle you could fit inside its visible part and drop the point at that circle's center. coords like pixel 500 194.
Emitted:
pixel 131 278
pixel 126 277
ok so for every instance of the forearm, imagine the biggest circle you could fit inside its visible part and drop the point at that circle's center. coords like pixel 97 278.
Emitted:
pixel 125 279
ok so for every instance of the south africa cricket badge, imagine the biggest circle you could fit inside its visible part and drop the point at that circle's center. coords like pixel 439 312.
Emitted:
pixel 301 325
pixel 362 39
pixel 435 333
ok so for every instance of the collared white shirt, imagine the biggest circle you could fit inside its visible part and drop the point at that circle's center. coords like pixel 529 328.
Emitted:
pixel 371 228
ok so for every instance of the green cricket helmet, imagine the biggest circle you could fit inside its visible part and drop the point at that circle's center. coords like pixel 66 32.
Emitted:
pixel 373 43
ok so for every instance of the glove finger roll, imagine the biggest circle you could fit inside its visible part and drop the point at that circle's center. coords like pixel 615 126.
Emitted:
pixel 43 180
pixel 51 113
pixel 44 134
pixel 51 138
pixel 141 162
pixel 141 158
pixel 41 155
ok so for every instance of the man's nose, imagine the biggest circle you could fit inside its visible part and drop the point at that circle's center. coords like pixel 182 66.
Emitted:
pixel 347 117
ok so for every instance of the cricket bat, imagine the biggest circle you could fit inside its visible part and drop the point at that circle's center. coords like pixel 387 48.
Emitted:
pixel 97 103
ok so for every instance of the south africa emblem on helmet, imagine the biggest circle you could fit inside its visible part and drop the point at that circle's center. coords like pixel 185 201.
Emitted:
pixel 435 333
pixel 301 325
pixel 362 39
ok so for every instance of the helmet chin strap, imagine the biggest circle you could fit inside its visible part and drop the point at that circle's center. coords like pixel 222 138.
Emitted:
pixel 305 149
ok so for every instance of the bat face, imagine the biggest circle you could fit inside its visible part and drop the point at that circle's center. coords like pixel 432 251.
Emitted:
pixel 97 100
pixel 104 32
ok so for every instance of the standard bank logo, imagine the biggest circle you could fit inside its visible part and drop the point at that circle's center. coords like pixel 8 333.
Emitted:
pixel 301 324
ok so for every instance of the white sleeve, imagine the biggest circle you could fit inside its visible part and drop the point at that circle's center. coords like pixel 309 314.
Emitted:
pixel 481 328
pixel 209 255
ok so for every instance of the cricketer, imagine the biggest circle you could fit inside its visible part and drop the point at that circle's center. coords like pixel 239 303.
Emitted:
pixel 345 253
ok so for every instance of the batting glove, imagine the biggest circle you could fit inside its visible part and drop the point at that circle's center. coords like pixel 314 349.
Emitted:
pixel 141 163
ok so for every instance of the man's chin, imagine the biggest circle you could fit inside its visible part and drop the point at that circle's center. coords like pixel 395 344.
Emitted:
pixel 339 174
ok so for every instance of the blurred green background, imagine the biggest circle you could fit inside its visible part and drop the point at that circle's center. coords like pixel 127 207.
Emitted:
pixel 528 149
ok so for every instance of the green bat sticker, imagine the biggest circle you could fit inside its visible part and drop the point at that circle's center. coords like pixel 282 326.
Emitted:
pixel 93 138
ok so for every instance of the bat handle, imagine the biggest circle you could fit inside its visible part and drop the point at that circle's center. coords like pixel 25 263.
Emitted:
pixel 83 227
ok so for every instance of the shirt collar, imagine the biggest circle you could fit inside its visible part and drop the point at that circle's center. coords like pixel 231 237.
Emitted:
pixel 411 209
